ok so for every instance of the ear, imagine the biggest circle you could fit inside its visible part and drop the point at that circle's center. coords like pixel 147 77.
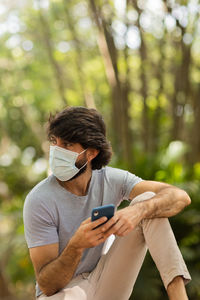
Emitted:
pixel 91 154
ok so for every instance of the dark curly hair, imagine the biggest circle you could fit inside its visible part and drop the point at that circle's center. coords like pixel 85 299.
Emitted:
pixel 84 126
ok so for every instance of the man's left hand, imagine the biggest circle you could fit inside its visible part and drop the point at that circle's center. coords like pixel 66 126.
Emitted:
pixel 124 221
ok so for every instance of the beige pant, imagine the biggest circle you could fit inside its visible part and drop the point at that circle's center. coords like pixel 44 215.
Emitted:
pixel 117 270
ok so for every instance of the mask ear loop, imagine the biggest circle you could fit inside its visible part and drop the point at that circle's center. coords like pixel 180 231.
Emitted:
pixel 82 151
pixel 86 161
pixel 83 165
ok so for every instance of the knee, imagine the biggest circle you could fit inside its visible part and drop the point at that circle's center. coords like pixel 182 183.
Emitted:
pixel 142 197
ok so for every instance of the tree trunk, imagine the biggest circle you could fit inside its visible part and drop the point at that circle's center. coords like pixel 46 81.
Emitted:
pixel 195 141
pixel 5 293
pixel 181 85
pixel 144 92
pixel 181 92
pixel 157 114
pixel 119 95
pixel 86 94
pixel 58 74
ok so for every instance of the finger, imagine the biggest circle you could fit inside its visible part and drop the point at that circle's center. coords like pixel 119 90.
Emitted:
pixel 100 238
pixel 122 230
pixel 109 224
pixel 98 222
pixel 113 229
pixel 125 232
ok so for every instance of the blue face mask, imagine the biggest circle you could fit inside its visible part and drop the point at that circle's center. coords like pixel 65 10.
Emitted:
pixel 62 162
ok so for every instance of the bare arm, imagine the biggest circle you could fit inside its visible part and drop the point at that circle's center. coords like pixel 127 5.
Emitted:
pixel 53 272
pixel 58 271
pixel 168 201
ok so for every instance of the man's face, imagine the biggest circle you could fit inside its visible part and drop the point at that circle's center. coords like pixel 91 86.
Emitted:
pixel 75 147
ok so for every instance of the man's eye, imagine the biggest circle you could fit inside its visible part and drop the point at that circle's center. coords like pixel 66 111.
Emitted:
pixel 53 142
pixel 68 144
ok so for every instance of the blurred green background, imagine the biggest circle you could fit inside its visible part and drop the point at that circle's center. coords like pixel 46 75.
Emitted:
pixel 138 63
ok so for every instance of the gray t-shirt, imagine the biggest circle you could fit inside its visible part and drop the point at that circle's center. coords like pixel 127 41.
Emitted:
pixel 52 214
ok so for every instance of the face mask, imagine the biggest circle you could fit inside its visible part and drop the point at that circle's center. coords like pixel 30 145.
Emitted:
pixel 62 162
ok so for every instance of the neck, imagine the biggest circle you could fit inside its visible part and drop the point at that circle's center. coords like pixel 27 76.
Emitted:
pixel 78 186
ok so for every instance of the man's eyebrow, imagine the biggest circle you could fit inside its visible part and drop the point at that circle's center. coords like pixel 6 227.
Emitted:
pixel 67 142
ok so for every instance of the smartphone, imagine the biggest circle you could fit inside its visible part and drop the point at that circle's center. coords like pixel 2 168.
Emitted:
pixel 103 211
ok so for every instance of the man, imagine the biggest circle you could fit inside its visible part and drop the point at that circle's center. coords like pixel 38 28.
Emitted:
pixel 66 247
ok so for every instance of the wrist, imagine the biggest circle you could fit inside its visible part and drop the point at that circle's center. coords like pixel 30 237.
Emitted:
pixel 70 252
pixel 143 211
pixel 72 245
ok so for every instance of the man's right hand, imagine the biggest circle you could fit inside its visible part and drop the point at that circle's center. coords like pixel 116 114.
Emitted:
pixel 47 261
pixel 87 235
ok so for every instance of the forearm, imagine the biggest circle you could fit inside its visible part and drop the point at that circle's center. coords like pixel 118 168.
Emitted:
pixel 57 274
pixel 166 203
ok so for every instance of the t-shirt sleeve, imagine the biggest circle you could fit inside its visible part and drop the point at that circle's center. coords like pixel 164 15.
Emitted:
pixel 130 180
pixel 39 226
pixel 120 182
